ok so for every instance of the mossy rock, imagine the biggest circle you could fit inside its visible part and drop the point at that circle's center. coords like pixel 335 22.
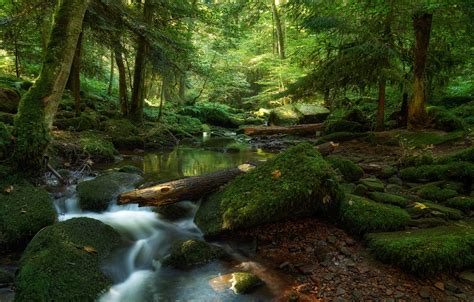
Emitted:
pixel 338 137
pixel 389 199
pixel 427 251
pixel 7 118
pixel 96 194
pixel 243 282
pixel 295 183
pixel 63 262
pixel 463 203
pixel 357 115
pixel 420 139
pixel 361 215
pixel 360 190
pixel 9 100
pixel 466 155
pixel 23 212
pixel 442 119
pixel 5 141
pixel 428 222
pixel 131 169
pixel 284 116
pixel 86 121
pixel 158 138
pixel 463 171
pixel 387 172
pixel 434 193
pixel 99 149
pixel 211 113
pixel 373 184
pixel 429 209
pixel 5 277
pixel 190 253
pixel 124 134
pixel 310 113
pixel 349 170
pixel 333 126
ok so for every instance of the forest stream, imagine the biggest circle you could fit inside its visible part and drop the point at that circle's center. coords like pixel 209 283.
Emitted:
pixel 135 269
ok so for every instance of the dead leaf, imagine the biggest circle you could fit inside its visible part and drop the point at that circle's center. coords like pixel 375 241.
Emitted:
pixel 89 249
pixel 8 189
pixel 276 174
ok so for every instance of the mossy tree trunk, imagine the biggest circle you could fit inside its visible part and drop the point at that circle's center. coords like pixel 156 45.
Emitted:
pixel 74 81
pixel 417 116
pixel 279 31
pixel 123 96
pixel 112 70
pixel 136 106
pixel 38 106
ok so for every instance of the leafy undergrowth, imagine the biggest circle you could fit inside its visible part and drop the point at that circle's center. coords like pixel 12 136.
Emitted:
pixel 426 251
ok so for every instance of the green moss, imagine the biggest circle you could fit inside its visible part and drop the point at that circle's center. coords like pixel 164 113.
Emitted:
pixel 389 198
pixel 284 116
pixel 96 194
pixel 338 137
pixel 463 203
pixel 63 262
pixel 189 253
pixel 373 184
pixel 387 172
pixel 456 170
pixel 435 193
pixel 428 222
pixel 23 212
pixel 212 113
pixel 360 215
pixel 5 141
pixel 131 169
pixel 9 99
pixel 463 155
pixel 6 118
pixel 99 149
pixel 442 119
pixel 243 282
pixel 5 277
pixel 86 121
pixel 332 126
pixel 124 134
pixel 158 137
pixel 349 170
pixel 429 209
pixel 424 138
pixel 181 125
pixel 425 251
pixel 417 160
pixel 295 183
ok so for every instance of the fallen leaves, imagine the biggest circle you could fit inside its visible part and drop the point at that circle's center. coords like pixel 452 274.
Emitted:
pixel 89 249
pixel 276 174
pixel 8 189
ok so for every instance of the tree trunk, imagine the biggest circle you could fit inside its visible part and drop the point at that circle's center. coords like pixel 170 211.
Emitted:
pixel 75 74
pixel 136 106
pixel 112 70
pixel 381 107
pixel 123 95
pixel 17 56
pixel 307 129
pixel 38 106
pixel 191 188
pixel 417 116
pixel 279 31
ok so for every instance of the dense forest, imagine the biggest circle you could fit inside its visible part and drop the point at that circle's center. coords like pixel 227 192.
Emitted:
pixel 233 150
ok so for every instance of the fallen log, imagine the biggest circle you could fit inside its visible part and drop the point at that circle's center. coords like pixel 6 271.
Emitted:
pixel 191 188
pixel 306 129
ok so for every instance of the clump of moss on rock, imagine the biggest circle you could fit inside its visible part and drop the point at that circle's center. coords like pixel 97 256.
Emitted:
pixel 190 253
pixel 429 209
pixel 389 199
pixel 349 170
pixel 361 215
pixel 434 193
pixel 96 194
pixel 23 212
pixel 99 149
pixel 425 251
pixel 455 170
pixel 463 203
pixel 124 134
pixel 295 183
pixel 243 282
pixel 63 262
pixel 373 184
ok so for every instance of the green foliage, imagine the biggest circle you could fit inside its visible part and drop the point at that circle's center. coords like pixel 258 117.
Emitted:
pixel 389 199
pixel 5 141
pixel 86 121
pixel 295 183
pixel 190 253
pixel 444 120
pixel 360 215
pixel 429 209
pixel 463 203
pixel 419 139
pixel 124 134
pixel 427 251
pixel 434 193
pixel 23 212
pixel 349 170
pixel 99 149
pixel 64 262
pixel 463 171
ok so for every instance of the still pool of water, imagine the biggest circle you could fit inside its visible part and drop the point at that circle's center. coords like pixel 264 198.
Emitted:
pixel 136 269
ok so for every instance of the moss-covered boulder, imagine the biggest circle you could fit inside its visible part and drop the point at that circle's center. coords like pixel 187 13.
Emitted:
pixel 212 114
pixel 424 251
pixel 373 184
pixel 23 212
pixel 388 198
pixel 434 193
pixel 63 262
pixel 310 113
pixel 295 183
pixel 7 118
pixel 124 134
pixel 463 203
pixel 361 215
pixel 348 169
pixel 333 126
pixel 96 194
pixel 99 149
pixel 463 171
pixel 85 121
pixel 443 119
pixel 429 209
pixel 9 100
pixel 131 169
pixel 284 116
pixel 193 252
pixel 243 282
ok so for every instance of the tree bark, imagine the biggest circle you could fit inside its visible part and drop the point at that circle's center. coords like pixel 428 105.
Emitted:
pixel 306 129
pixel 74 81
pixel 136 106
pixel 38 106
pixel 191 188
pixel 417 116
pixel 279 31
pixel 381 107
pixel 123 95
pixel 112 70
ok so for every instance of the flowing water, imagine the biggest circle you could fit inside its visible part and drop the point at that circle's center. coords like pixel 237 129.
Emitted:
pixel 136 270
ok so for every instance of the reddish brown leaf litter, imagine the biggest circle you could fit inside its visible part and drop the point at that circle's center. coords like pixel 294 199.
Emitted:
pixel 324 263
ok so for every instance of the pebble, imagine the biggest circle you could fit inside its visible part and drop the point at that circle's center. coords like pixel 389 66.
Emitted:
pixel 332 239
pixel 345 251
pixel 425 292
pixel 340 291
pixel 439 285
